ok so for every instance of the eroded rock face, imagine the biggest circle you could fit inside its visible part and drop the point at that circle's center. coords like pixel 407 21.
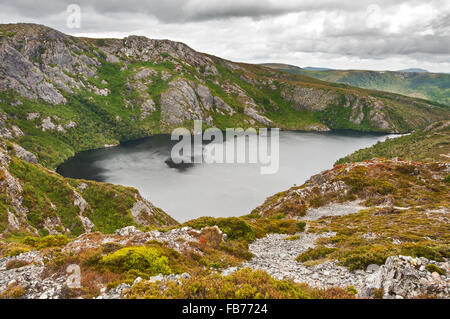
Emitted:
pixel 20 75
pixel 47 124
pixel 143 212
pixel 406 277
pixel 309 98
pixel 180 103
pixel 24 154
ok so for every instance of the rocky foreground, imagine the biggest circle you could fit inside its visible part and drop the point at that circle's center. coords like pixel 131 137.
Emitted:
pixel 374 229
pixel 24 276
pixel 400 277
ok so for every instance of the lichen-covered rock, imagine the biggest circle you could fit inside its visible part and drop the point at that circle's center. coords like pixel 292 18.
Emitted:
pixel 179 103
pixel 407 277
pixel 24 154
pixel 20 75
pixel 309 98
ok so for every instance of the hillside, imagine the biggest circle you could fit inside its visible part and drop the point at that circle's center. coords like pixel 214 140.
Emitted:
pixel 410 82
pixel 60 94
pixel 429 144
pixel 37 201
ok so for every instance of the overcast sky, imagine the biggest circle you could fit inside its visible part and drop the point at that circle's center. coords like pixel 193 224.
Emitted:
pixel 341 34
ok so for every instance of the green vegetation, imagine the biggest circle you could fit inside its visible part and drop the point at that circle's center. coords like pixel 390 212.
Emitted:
pixel 46 242
pixel 47 195
pixel 377 183
pixel 13 291
pixel 432 144
pixel 137 259
pixel 409 232
pixel 243 284
pixel 405 202
pixel 433 268
pixel 315 253
pixel 16 263
pixel 292 238
pixel 247 228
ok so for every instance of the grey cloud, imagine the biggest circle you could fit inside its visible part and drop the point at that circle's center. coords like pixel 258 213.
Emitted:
pixel 254 29
pixel 376 47
pixel 195 10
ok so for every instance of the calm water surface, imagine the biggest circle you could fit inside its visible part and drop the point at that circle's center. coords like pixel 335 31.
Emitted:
pixel 219 190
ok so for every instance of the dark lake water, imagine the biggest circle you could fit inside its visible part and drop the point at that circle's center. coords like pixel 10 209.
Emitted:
pixel 219 190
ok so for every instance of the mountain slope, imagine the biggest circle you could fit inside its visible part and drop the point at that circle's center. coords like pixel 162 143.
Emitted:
pixel 60 94
pixel 38 201
pixel 411 82
pixel 429 144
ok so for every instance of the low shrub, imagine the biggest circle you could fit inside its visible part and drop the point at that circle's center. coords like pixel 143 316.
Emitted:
pixel 13 292
pixel 361 257
pixel 16 263
pixel 433 252
pixel 316 253
pixel 141 259
pixel 242 284
pixel 433 268
pixel 378 293
pixel 47 241
pixel 234 227
pixel 15 249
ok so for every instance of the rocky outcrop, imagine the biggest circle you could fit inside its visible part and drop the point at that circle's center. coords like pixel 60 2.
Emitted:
pixel 407 277
pixel 161 84
pixel 22 153
pixel 144 212
pixel 309 98
pixel 28 280
pixel 19 74
pixel 400 277
pixel 140 83
pixel 144 49
pixel 180 103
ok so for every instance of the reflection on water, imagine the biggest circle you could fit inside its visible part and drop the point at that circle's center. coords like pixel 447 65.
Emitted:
pixel 193 190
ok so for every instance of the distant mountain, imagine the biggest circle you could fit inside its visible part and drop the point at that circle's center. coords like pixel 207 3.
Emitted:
pixel 413 70
pixel 312 68
pixel 411 82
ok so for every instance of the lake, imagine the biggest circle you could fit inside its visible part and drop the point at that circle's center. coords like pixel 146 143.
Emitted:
pixel 219 190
